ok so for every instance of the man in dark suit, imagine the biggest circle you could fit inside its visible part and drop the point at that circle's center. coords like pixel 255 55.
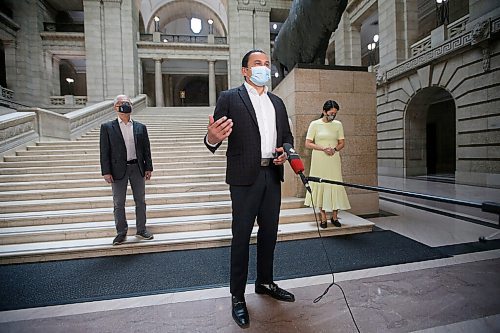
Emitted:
pixel 126 155
pixel 256 123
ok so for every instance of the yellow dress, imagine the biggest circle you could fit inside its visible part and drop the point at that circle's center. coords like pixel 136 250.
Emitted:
pixel 328 197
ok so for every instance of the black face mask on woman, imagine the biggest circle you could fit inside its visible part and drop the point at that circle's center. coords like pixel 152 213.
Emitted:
pixel 330 117
pixel 125 108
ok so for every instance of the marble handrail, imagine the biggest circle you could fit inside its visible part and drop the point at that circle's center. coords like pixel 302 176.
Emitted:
pixel 41 123
pixel 17 128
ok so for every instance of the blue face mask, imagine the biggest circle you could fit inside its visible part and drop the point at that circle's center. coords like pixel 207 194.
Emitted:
pixel 260 75
pixel 125 108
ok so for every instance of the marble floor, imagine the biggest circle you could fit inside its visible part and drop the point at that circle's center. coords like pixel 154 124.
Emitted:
pixel 456 294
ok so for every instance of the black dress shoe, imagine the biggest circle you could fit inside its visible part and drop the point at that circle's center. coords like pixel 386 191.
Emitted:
pixel 336 223
pixel 119 239
pixel 275 292
pixel 240 312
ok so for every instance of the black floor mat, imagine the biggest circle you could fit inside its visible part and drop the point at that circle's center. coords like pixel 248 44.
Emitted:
pixel 71 281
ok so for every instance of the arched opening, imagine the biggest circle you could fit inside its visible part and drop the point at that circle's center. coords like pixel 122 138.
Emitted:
pixel 174 19
pixel 430 134
pixel 72 77
pixel 195 91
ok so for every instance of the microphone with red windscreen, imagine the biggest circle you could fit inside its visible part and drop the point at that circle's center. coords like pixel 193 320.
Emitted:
pixel 296 164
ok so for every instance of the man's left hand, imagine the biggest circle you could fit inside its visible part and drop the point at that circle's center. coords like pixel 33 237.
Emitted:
pixel 147 175
pixel 282 157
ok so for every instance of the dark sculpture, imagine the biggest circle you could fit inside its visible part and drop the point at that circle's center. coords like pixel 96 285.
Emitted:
pixel 304 36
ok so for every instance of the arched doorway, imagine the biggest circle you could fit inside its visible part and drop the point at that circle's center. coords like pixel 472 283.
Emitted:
pixel 430 134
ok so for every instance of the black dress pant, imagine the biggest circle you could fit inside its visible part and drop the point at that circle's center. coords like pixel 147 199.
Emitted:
pixel 260 200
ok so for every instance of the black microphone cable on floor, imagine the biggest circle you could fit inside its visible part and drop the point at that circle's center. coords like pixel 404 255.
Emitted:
pixel 317 299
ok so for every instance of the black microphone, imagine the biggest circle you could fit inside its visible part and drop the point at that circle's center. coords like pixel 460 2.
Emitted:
pixel 296 164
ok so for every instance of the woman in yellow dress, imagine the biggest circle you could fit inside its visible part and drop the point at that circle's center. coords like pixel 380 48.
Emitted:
pixel 325 137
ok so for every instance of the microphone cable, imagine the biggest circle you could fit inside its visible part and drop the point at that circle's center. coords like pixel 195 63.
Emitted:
pixel 317 299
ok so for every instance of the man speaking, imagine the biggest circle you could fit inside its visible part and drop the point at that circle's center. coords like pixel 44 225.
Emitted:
pixel 256 124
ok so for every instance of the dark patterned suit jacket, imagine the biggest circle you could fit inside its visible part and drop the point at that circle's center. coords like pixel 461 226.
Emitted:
pixel 243 151
pixel 114 152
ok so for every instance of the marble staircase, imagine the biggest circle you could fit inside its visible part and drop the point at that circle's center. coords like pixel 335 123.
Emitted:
pixel 55 205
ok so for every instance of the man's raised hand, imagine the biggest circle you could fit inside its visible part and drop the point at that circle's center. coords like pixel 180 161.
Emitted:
pixel 218 130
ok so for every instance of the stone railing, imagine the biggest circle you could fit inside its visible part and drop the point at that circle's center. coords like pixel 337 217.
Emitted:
pixel 29 124
pixel 457 27
pixel 421 46
pixel 480 32
pixel 68 100
pixel 7 93
pixel 16 129
pixel 164 38
pixel 452 30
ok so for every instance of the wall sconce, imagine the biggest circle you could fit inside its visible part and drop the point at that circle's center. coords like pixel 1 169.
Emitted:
pixel 442 12
pixel 210 27
pixel 157 24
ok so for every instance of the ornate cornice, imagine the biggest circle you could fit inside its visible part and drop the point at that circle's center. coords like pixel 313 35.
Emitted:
pixel 480 32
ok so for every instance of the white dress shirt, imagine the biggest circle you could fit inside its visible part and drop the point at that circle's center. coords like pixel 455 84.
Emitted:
pixel 266 119
pixel 128 137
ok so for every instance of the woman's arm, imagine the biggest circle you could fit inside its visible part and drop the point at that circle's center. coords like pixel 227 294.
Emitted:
pixel 339 145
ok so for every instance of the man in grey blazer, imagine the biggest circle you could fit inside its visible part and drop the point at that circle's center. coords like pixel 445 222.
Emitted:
pixel 256 124
pixel 126 156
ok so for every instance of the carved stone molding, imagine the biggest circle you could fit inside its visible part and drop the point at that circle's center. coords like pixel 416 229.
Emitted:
pixel 486 59
pixel 381 76
pixel 480 32
pixel 17 130
pixel 416 62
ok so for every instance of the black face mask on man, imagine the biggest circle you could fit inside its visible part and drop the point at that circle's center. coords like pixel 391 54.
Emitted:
pixel 125 108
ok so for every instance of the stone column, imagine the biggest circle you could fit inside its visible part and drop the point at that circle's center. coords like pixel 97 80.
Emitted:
pixel 110 42
pixel 10 63
pixel 158 83
pixel 56 80
pixel 211 83
pixel 140 80
pixel 262 38
pixel 347 43
pixel 94 50
pixel 240 38
pixel 398 30
pixel 171 90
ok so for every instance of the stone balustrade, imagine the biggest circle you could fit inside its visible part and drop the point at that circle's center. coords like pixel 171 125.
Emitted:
pixel 453 30
pixel 7 93
pixel 165 38
pixel 68 100
pixel 16 129
pixel 32 123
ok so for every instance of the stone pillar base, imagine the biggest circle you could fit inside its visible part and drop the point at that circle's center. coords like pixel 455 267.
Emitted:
pixel 304 91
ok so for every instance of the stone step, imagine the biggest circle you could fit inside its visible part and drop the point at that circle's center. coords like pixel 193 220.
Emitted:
pixel 96 167
pixel 171 241
pixel 82 183
pixel 95 161
pixel 154 136
pixel 178 140
pixel 156 155
pixel 20 219
pixel 93 201
pixel 197 169
pixel 158 142
pixel 105 190
pixel 42 150
pixel 55 232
